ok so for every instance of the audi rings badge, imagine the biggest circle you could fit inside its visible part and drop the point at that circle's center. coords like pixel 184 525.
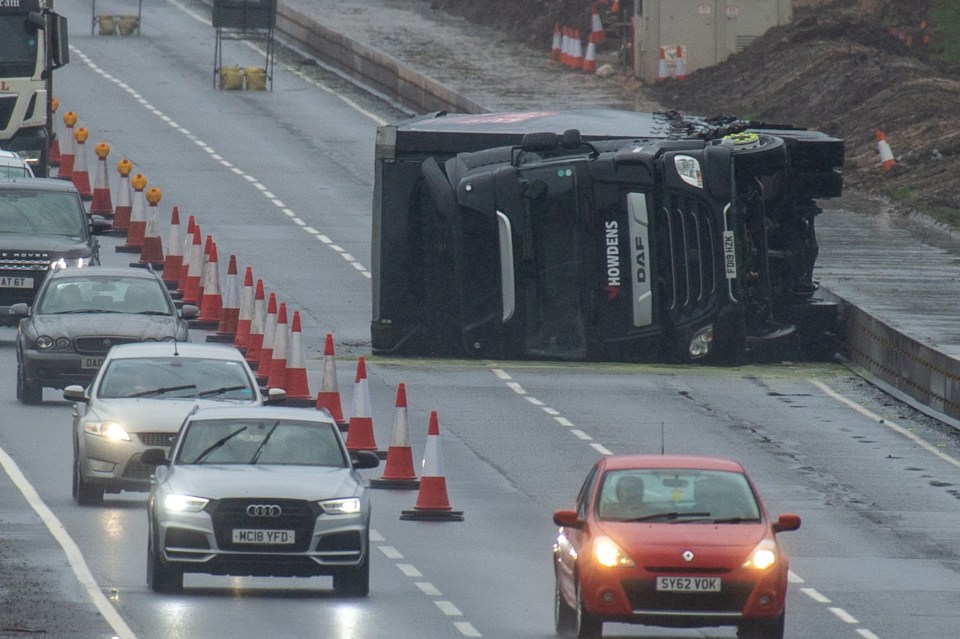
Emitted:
pixel 263 510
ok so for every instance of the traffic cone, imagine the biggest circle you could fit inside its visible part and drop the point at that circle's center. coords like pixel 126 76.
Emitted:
pixel 590 61
pixel 399 472
pixel 53 155
pixel 101 203
pixel 211 300
pixel 432 501
pixel 269 334
pixel 121 212
pixel 281 350
pixel 68 151
pixel 191 285
pixel 295 382
pixel 577 61
pixel 204 268
pixel 80 176
pixel 680 65
pixel 555 50
pixel 597 34
pixel 230 311
pixel 887 160
pixel 245 314
pixel 151 253
pixel 565 56
pixel 187 254
pixel 329 396
pixel 662 72
pixel 360 428
pixel 257 323
pixel 174 258
pixel 138 217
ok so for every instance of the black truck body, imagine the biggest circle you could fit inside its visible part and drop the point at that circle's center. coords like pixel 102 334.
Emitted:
pixel 599 235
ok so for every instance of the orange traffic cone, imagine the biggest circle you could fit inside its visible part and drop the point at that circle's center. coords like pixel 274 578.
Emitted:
pixel 597 34
pixel 662 72
pixel 329 396
pixel 680 65
pixel 80 176
pixel 191 283
pixel 399 472
pixel 360 429
pixel 53 156
pixel 556 48
pixel 245 314
pixel 295 382
pixel 257 323
pixel 887 160
pixel 151 252
pixel 204 268
pixel 590 61
pixel 269 334
pixel 577 61
pixel 565 44
pixel 67 153
pixel 281 350
pixel 432 501
pixel 211 301
pixel 174 258
pixel 101 203
pixel 187 254
pixel 138 217
pixel 230 311
pixel 121 213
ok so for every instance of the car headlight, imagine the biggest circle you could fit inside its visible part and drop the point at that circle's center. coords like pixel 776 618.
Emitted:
pixel 350 506
pixel 44 342
pixel 184 503
pixel 109 430
pixel 64 262
pixel 701 341
pixel 608 553
pixel 763 556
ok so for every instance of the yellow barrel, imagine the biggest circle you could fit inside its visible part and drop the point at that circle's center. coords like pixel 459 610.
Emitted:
pixel 256 79
pixel 108 26
pixel 128 25
pixel 231 78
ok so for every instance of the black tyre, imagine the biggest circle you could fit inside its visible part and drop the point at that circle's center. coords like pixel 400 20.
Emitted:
pixel 762 629
pixel 564 617
pixel 84 492
pixel 162 577
pixel 28 392
pixel 353 583
pixel 586 625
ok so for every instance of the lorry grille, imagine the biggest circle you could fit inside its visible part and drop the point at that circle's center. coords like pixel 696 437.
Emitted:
pixel 7 104
pixel 689 267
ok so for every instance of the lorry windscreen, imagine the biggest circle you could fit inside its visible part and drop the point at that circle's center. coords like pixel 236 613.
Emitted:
pixel 18 46
pixel 550 264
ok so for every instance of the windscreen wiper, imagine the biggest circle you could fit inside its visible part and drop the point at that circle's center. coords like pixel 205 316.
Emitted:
pixel 669 516
pixel 216 445
pixel 162 391
pixel 221 390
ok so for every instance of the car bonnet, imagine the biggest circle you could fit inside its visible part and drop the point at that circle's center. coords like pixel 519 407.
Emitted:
pixel 148 414
pixel 221 481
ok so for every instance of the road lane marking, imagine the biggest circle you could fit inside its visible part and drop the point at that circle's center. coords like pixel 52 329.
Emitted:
pixel 390 552
pixel 816 596
pixel 466 629
pixel 428 589
pixel 448 608
pixel 843 615
pixel 70 548
pixel 409 570
pixel 866 634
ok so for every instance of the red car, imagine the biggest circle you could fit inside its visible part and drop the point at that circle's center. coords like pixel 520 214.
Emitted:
pixel 669 540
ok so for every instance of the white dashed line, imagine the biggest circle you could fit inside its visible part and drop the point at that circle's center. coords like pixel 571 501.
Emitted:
pixel 816 596
pixel 843 615
pixel 448 608
pixel 409 570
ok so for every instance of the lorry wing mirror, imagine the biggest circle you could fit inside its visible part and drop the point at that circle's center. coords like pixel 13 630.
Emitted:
pixel 571 139
pixel 34 22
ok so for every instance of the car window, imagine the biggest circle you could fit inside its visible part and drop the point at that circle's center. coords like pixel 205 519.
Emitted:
pixel 14 171
pixel 41 213
pixel 105 295
pixel 258 441
pixel 677 495
pixel 171 377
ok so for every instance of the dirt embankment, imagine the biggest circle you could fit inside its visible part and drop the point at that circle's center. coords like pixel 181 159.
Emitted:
pixel 847 67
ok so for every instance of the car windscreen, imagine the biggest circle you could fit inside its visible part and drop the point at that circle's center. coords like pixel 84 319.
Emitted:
pixel 260 441
pixel 104 294
pixel 677 495
pixel 173 377
pixel 41 213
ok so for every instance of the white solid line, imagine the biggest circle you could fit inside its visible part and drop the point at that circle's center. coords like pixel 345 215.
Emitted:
pixel 448 608
pixel 844 615
pixel 70 548
pixel 889 424
pixel 816 596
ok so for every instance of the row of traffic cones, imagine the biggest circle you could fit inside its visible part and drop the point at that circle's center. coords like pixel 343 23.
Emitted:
pixel 254 323
pixel 567 48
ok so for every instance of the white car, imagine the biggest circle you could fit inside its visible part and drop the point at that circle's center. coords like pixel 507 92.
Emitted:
pixel 139 399
pixel 267 491
pixel 13 166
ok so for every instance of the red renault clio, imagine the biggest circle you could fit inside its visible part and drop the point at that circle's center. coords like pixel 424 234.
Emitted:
pixel 675 541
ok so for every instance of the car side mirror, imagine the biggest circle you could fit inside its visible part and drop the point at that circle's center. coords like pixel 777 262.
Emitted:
pixel 75 393
pixel 275 396
pixel 189 312
pixel 364 459
pixel 154 457
pixel 99 224
pixel 786 522
pixel 568 519
pixel 20 309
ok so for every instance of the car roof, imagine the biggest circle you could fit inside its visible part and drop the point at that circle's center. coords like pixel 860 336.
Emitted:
pixel 169 349
pixel 692 462
pixel 37 184
pixel 263 412
pixel 104 271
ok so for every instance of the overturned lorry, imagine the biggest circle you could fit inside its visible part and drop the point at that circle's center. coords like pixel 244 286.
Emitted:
pixel 599 235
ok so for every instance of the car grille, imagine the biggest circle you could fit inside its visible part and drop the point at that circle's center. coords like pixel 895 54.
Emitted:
pixel 157 440
pixel 98 345
pixel 643 595
pixel 297 515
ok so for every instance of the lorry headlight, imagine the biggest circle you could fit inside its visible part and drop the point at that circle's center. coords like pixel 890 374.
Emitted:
pixel 701 341
pixel 64 262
